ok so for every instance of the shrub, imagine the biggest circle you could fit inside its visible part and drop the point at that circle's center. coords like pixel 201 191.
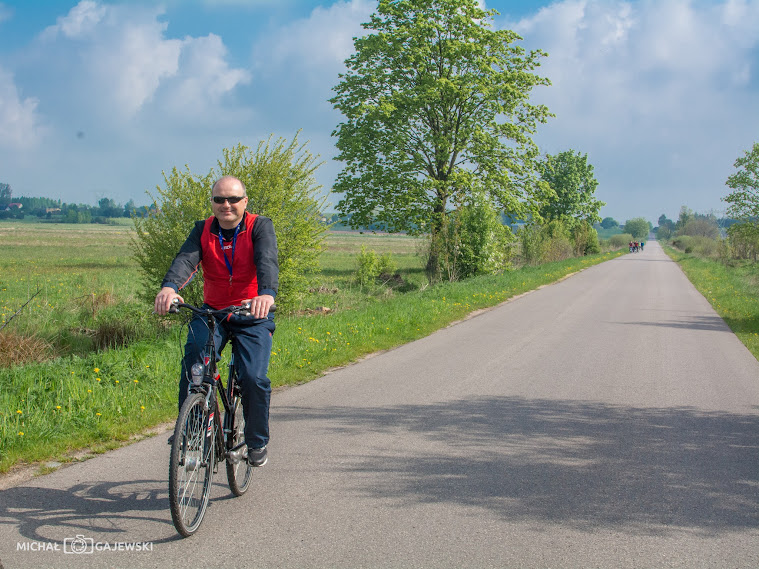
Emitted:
pixel 371 266
pixel 743 239
pixel 531 244
pixel 473 240
pixel 585 239
pixel 620 240
pixel 559 244
pixel 697 245
pixel 546 243
pixel 279 178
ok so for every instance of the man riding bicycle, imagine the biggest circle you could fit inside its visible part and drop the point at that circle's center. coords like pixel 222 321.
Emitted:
pixel 237 251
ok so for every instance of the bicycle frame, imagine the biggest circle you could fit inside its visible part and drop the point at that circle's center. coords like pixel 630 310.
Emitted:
pixel 210 386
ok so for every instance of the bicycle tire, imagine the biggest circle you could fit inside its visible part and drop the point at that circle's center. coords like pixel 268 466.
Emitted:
pixel 190 472
pixel 240 473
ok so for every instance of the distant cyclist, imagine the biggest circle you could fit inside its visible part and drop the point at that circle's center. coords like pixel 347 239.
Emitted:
pixel 238 254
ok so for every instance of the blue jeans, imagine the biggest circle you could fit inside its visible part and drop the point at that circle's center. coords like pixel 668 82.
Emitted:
pixel 252 340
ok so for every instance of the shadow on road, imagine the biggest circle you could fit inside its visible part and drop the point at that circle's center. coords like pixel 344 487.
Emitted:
pixel 709 323
pixel 583 464
pixel 108 509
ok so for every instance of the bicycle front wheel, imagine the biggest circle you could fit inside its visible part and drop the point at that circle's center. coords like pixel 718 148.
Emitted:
pixel 239 472
pixel 191 465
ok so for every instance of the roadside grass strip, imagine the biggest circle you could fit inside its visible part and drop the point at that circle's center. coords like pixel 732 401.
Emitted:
pixel 733 291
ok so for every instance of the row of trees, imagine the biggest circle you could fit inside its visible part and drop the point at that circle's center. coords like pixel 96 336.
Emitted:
pixel 52 209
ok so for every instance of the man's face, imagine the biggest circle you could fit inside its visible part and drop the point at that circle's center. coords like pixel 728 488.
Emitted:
pixel 229 214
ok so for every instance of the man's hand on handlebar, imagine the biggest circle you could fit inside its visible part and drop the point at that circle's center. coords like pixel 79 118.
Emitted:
pixel 260 305
pixel 164 299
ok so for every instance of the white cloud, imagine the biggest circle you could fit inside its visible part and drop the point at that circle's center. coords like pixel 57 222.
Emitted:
pixel 324 39
pixel 121 63
pixel 20 123
pixel 652 90
pixel 81 20
pixel 204 78
pixel 130 60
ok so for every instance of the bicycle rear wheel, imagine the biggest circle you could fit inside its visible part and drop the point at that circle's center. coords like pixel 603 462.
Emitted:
pixel 191 466
pixel 239 472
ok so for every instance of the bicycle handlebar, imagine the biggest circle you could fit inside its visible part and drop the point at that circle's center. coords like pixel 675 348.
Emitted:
pixel 243 309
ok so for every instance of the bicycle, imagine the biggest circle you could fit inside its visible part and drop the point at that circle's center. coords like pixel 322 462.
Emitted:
pixel 201 438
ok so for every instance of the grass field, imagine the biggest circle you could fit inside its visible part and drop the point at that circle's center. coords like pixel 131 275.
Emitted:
pixel 100 398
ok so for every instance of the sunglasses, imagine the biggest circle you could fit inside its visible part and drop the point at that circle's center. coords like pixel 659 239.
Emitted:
pixel 230 199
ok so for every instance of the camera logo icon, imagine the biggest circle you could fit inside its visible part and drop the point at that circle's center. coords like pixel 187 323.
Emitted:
pixel 78 544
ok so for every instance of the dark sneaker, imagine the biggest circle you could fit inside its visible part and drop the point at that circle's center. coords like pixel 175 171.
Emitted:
pixel 171 440
pixel 257 456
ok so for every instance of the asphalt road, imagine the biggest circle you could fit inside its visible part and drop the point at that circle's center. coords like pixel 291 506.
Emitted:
pixel 609 420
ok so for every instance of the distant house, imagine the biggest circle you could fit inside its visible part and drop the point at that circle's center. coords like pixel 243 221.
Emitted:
pixel 52 210
pixel 15 206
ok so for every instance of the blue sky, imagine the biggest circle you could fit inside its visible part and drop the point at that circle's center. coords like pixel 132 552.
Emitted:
pixel 97 97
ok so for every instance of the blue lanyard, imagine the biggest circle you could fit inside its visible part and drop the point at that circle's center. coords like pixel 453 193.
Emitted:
pixel 234 243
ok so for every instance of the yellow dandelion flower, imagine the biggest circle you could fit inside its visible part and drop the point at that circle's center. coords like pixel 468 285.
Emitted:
pixel 57 406
pixel 117 381
pixel 98 414
pixel 136 381
pixel 97 379
pixel 21 433
pixel 97 370
pixel 89 391
pixel 19 411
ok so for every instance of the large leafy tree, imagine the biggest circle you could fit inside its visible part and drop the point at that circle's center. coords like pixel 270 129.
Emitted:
pixel 609 222
pixel 436 103
pixel 637 227
pixel 571 177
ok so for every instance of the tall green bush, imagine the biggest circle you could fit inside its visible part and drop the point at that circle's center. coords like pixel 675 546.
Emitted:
pixel 585 239
pixel 279 178
pixel 370 266
pixel 698 245
pixel 620 240
pixel 743 241
pixel 473 240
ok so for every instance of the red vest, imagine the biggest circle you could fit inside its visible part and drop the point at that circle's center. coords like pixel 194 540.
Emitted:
pixel 219 288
